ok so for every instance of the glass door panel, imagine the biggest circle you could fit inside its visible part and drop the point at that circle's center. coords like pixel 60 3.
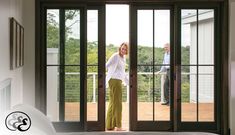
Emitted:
pixel 197 67
pixel 72 65
pixel 153 28
pixel 53 96
pixel 95 67
pixel 206 93
pixel 144 93
pixel 162 112
pixel 92 65
pixel 72 37
pixel 153 81
pixel 72 93
pixel 64 86
pixel 162 76
pixel 188 93
pixel 144 65
pixel 145 37
pixel 53 64
pixel 206 65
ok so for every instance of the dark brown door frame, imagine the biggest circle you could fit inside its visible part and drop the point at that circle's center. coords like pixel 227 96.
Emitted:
pixel 100 124
pixel 219 125
pixel 200 126
pixel 40 52
pixel 41 104
pixel 62 125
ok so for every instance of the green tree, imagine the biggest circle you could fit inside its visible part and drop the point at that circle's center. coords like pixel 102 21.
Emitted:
pixel 53 26
pixel 52 30
pixel 72 56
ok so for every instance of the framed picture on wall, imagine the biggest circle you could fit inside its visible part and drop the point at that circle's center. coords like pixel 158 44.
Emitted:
pixel 22 46
pixel 16 44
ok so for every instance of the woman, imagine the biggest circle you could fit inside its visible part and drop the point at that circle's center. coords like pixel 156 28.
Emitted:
pixel 116 74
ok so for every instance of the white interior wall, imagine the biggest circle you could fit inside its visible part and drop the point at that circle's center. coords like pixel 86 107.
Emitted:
pixel 10 8
pixel 23 79
pixel 29 49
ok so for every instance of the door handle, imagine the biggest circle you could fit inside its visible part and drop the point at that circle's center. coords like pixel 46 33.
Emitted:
pixel 130 80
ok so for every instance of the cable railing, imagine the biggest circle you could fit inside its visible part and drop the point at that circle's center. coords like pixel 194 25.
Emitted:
pixel 92 86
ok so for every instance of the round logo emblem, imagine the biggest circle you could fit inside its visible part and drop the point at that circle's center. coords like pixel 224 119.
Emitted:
pixel 18 121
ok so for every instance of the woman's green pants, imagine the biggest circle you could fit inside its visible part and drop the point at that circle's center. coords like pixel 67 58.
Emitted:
pixel 114 114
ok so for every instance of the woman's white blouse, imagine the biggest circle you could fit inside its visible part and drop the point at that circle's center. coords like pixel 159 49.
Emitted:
pixel 116 68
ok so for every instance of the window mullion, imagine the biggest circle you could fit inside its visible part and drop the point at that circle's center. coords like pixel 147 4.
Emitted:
pixel 197 63
pixel 62 60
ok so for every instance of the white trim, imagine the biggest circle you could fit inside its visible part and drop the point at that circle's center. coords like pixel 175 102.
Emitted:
pixel 202 16
pixel 52 50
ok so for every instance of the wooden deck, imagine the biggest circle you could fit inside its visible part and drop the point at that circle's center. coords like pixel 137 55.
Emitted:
pixel 145 112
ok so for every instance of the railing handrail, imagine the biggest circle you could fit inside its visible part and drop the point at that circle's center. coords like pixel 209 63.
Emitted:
pixel 141 73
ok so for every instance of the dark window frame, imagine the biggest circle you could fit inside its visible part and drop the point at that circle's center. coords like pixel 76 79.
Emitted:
pixel 203 126
pixel 135 124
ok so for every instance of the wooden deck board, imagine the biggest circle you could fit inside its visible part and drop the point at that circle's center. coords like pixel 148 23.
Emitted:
pixel 145 112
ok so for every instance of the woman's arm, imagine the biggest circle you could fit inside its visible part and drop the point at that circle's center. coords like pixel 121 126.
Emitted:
pixel 111 66
pixel 126 79
pixel 112 60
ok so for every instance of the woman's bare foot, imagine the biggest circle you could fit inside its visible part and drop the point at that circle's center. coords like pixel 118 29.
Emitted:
pixel 120 129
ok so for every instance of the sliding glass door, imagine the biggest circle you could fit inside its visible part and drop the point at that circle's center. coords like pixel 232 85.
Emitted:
pixel 178 92
pixel 174 71
pixel 199 66
pixel 95 103
pixel 151 68
pixel 75 72
pixel 65 94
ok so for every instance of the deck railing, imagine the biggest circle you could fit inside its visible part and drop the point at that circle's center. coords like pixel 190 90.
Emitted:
pixel 93 75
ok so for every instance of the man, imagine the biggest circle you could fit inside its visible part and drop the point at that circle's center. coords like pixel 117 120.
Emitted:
pixel 166 68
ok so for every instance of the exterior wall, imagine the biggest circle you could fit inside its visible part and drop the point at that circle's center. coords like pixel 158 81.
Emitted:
pixel 10 8
pixel 52 85
pixel 205 56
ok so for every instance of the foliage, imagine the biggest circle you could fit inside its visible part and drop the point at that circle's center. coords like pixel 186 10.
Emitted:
pixel 145 56
pixel 52 31
pixel 185 58
pixel 185 92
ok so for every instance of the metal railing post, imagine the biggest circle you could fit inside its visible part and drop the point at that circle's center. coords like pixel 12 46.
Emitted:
pixel 127 94
pixel 94 87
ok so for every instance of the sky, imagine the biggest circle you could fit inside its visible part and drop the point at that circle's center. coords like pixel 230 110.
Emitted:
pixel 117 26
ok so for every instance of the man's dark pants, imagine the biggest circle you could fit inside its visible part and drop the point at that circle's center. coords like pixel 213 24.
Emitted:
pixel 167 86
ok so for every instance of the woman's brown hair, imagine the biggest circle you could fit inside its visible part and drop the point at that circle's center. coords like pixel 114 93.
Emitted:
pixel 126 45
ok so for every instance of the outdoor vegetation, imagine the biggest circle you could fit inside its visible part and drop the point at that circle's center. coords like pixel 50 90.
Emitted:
pixel 72 57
